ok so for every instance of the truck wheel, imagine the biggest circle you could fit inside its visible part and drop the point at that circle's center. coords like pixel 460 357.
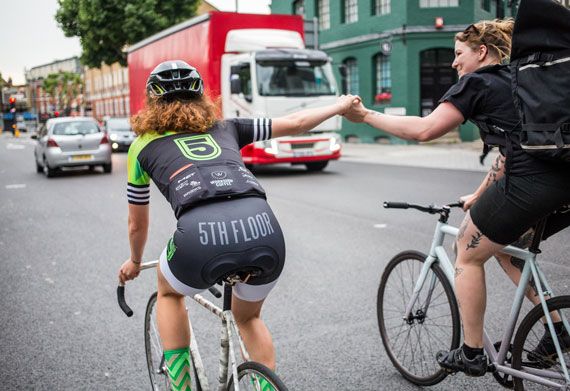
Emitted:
pixel 316 166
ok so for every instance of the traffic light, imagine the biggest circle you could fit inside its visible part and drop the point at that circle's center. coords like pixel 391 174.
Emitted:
pixel 12 102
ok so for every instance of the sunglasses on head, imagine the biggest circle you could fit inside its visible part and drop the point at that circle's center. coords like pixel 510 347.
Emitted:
pixel 472 29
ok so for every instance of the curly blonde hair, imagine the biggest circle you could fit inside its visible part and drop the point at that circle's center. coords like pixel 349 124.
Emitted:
pixel 495 34
pixel 194 116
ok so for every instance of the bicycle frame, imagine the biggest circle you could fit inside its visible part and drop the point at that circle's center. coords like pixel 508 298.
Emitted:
pixel 227 350
pixel 438 254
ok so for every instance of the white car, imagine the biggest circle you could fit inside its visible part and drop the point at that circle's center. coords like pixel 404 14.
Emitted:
pixel 71 142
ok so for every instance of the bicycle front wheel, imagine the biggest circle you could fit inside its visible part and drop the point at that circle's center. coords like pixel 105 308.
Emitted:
pixel 157 372
pixel 255 376
pixel 526 350
pixel 434 325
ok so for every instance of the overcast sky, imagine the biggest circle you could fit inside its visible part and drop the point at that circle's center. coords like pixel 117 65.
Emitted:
pixel 30 36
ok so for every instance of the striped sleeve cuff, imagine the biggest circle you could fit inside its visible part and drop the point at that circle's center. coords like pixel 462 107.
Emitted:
pixel 138 194
pixel 261 129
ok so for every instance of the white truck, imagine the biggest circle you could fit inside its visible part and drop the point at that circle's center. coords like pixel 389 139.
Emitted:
pixel 259 67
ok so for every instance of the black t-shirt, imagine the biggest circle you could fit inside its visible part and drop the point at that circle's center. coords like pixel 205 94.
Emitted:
pixel 485 97
pixel 189 168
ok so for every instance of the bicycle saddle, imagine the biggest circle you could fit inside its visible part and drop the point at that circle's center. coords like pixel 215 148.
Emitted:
pixel 258 261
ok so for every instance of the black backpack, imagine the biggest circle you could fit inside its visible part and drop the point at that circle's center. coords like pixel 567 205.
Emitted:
pixel 540 68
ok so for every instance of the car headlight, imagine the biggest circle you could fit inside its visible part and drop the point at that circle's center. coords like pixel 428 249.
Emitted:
pixel 114 137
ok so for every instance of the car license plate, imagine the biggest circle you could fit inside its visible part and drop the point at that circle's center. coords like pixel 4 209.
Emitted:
pixel 303 153
pixel 81 157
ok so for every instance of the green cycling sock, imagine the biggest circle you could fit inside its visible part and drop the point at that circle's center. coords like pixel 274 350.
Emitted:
pixel 178 366
pixel 264 385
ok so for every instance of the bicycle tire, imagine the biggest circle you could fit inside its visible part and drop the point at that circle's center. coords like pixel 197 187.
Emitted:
pixel 249 369
pixel 529 333
pixel 159 379
pixel 431 372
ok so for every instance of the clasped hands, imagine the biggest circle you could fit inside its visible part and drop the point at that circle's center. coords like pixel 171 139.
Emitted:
pixel 352 108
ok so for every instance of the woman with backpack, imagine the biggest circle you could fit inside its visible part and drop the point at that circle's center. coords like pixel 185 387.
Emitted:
pixel 224 223
pixel 518 191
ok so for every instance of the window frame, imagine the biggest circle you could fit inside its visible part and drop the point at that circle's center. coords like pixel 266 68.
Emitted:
pixel 349 9
pixel 438 3
pixel 382 75
pixel 323 14
pixel 381 7
pixel 351 79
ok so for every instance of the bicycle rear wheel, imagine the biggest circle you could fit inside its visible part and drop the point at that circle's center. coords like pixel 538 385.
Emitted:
pixel 255 376
pixel 154 354
pixel 527 339
pixel 412 345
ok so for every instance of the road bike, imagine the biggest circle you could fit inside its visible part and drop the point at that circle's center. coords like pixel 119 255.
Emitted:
pixel 251 375
pixel 418 315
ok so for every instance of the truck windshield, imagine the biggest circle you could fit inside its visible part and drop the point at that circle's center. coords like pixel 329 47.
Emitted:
pixel 294 78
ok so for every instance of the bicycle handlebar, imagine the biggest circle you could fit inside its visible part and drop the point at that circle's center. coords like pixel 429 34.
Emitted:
pixel 121 299
pixel 147 265
pixel 431 209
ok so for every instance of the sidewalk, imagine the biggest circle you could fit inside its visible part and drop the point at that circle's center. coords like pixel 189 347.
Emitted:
pixel 460 156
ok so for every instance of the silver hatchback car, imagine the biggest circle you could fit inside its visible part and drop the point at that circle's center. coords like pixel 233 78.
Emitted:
pixel 71 142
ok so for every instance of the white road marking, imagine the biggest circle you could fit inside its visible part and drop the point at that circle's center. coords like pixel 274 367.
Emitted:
pixel 15 146
pixel 380 226
pixel 16 186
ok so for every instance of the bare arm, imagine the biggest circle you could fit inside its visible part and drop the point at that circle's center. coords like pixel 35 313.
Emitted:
pixel 304 120
pixel 138 229
pixel 138 233
pixel 443 119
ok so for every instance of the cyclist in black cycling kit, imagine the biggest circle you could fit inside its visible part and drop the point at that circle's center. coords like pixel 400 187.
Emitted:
pixel 518 191
pixel 224 222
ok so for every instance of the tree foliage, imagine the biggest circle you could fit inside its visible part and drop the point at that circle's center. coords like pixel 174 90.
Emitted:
pixel 106 27
pixel 63 88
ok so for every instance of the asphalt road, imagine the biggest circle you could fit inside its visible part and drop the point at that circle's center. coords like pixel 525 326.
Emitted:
pixel 63 239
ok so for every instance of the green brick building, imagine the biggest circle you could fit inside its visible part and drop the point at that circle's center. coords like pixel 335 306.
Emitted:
pixel 395 54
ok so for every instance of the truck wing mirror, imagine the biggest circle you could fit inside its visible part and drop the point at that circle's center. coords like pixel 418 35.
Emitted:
pixel 235 84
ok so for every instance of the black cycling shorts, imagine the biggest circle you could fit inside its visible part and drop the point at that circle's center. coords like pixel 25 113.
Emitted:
pixel 222 237
pixel 503 218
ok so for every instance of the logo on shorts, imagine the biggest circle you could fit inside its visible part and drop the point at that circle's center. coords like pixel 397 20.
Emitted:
pixel 170 249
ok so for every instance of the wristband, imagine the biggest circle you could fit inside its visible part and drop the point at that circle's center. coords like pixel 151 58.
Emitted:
pixel 136 262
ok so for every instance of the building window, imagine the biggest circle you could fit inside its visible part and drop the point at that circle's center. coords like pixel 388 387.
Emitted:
pixel 382 77
pixel 486 5
pixel 351 80
pixel 299 7
pixel 350 11
pixel 324 14
pixel 381 7
pixel 438 3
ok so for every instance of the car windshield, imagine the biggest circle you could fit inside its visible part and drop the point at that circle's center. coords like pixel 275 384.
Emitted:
pixel 75 128
pixel 293 78
pixel 118 125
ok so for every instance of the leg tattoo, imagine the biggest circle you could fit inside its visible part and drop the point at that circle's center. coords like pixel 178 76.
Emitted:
pixel 475 240
pixel 458 271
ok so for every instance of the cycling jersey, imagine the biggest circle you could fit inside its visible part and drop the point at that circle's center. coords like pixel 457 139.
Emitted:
pixel 191 168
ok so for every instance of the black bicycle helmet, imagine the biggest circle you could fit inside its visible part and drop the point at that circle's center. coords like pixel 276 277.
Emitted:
pixel 172 80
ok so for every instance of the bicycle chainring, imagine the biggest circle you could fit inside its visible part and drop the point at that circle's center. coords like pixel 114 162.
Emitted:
pixel 502 378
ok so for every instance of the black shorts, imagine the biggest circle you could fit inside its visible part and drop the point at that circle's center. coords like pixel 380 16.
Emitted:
pixel 219 238
pixel 503 218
